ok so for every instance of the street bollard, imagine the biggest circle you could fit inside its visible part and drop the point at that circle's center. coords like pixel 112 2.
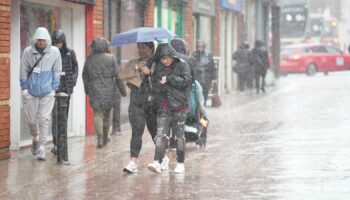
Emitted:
pixel 62 146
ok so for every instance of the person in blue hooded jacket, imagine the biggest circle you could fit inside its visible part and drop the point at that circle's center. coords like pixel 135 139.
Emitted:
pixel 41 66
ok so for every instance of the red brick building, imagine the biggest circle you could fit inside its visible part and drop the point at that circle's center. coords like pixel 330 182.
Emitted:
pixel 82 20
pixel 5 19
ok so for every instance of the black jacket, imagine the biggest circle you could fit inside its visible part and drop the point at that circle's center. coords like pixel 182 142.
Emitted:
pixel 180 48
pixel 100 76
pixel 241 56
pixel 260 59
pixel 178 79
pixel 205 68
pixel 70 70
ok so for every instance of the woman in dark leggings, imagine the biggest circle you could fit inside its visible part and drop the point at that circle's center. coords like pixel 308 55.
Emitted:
pixel 142 109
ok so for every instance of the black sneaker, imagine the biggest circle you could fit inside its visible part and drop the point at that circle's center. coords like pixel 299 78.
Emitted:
pixel 35 147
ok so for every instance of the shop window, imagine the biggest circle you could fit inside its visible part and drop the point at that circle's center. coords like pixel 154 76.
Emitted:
pixel 35 15
pixel 206 31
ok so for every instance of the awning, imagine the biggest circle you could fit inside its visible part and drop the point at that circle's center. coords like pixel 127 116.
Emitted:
pixel 84 1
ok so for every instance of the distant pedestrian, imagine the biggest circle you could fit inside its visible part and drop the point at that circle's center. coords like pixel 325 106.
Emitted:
pixel 242 56
pixel 260 61
pixel 142 108
pixel 100 77
pixel 41 67
pixel 205 70
pixel 179 46
pixel 68 78
pixel 174 79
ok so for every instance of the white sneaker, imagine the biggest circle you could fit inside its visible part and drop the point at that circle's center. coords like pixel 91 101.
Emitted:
pixel 131 167
pixel 154 167
pixel 42 153
pixel 180 168
pixel 165 164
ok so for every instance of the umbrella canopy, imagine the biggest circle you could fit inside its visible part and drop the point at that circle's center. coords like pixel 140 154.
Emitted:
pixel 142 34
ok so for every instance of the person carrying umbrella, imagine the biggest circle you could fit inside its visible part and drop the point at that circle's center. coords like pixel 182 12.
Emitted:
pixel 142 109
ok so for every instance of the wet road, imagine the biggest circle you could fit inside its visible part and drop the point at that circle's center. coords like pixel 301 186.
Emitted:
pixel 291 143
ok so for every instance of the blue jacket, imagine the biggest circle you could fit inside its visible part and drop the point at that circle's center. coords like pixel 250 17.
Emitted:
pixel 47 77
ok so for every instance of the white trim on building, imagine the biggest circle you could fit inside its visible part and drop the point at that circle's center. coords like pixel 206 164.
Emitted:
pixel 74 23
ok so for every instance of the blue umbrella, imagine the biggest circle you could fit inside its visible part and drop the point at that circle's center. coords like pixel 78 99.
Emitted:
pixel 142 34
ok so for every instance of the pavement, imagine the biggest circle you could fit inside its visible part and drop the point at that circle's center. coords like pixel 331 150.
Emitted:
pixel 290 143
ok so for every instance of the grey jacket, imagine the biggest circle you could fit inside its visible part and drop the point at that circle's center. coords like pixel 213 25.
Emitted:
pixel 47 76
pixel 101 79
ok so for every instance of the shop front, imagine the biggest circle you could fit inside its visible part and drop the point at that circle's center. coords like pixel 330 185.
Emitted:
pixel 27 15
pixel 229 39
pixel 170 14
pixel 204 16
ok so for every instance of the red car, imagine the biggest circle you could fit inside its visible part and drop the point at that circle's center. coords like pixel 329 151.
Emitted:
pixel 312 58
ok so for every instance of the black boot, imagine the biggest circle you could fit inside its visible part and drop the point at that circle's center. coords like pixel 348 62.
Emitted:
pixel 99 141
pixel 105 139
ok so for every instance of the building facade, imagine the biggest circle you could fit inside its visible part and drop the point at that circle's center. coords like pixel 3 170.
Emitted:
pixel 5 23
pixel 231 31
pixel 81 20
pixel 222 24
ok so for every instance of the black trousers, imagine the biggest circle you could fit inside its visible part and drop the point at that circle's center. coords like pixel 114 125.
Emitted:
pixel 56 121
pixel 175 121
pixel 116 114
pixel 206 87
pixel 139 117
pixel 242 78
pixel 258 75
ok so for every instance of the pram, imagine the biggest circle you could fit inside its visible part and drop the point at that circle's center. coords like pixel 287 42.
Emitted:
pixel 197 121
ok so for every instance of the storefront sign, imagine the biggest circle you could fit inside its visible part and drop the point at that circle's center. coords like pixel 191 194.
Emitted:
pixel 204 7
pixel 231 4
pixel 84 1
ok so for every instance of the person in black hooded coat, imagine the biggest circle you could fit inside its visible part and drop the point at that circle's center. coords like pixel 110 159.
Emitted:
pixel 242 56
pixel 260 62
pixel 101 80
pixel 68 78
pixel 174 79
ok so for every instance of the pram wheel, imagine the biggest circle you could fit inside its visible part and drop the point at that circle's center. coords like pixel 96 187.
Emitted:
pixel 202 140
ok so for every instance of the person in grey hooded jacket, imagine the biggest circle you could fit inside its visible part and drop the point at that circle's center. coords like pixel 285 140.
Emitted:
pixel 100 77
pixel 205 71
pixel 41 66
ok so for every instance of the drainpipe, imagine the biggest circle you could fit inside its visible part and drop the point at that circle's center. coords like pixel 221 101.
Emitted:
pixel 276 43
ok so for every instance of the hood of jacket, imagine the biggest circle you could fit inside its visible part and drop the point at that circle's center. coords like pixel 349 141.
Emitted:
pixel 167 50
pixel 178 45
pixel 41 33
pixel 58 36
pixel 99 45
